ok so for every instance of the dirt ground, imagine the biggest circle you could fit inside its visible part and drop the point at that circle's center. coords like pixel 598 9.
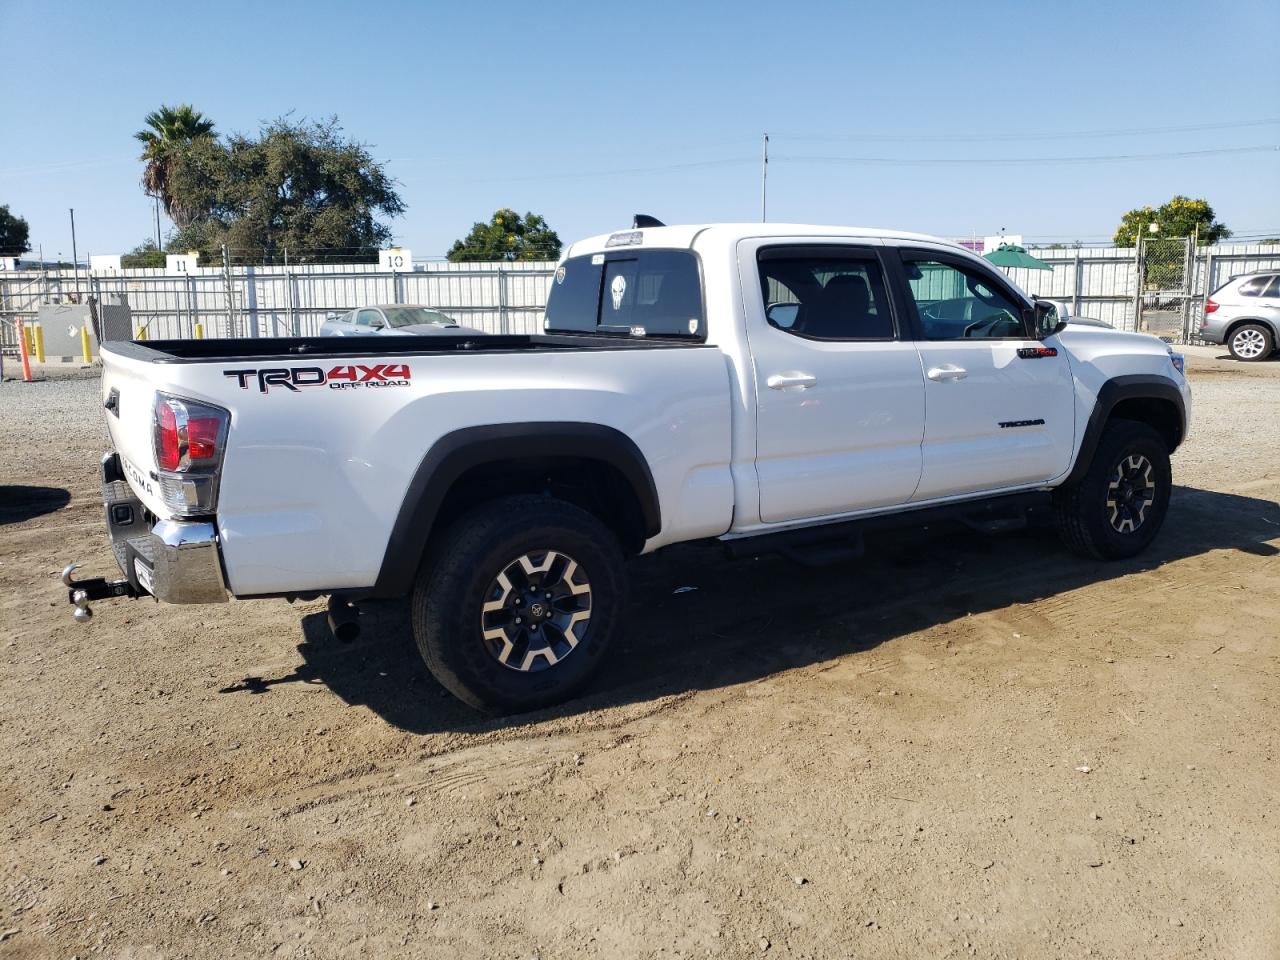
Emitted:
pixel 961 745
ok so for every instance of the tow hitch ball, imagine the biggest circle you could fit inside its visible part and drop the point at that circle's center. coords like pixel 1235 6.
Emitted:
pixel 80 592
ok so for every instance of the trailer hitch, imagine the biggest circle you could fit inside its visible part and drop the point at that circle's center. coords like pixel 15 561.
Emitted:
pixel 80 592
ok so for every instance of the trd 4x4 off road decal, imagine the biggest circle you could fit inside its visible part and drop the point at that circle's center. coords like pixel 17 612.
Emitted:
pixel 352 376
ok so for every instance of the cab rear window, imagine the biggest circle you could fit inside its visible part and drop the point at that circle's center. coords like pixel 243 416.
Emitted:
pixel 658 292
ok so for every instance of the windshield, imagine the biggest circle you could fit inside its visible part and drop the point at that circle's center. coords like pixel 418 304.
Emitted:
pixel 416 316
pixel 658 292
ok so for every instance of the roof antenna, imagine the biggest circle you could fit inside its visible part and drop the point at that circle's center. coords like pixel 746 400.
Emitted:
pixel 644 220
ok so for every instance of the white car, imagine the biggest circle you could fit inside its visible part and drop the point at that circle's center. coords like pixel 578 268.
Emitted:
pixel 392 319
pixel 769 386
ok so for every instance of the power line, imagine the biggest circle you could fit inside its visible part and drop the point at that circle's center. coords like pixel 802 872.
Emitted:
pixel 1064 135
pixel 1014 161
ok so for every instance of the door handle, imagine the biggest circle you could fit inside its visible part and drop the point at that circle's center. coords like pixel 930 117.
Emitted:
pixel 948 371
pixel 790 379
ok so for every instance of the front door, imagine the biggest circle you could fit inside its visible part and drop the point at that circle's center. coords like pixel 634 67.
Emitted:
pixel 839 392
pixel 999 403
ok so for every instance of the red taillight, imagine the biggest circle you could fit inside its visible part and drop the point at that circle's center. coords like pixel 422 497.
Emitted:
pixel 202 438
pixel 1210 306
pixel 188 435
pixel 168 456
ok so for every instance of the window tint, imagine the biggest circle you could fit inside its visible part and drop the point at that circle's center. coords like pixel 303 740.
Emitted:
pixel 826 297
pixel 368 317
pixel 1254 286
pixel 657 290
pixel 956 303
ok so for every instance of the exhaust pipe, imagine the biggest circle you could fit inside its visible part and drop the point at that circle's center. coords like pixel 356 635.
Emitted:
pixel 344 620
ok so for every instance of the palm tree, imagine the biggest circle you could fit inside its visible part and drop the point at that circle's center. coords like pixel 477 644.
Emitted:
pixel 167 129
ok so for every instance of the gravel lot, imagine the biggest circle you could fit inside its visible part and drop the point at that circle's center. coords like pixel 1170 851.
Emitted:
pixel 959 746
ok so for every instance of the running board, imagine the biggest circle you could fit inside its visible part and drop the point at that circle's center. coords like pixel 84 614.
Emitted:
pixel 833 542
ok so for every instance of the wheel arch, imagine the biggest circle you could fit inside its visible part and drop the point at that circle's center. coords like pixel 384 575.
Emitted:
pixel 1239 322
pixel 1153 400
pixel 597 467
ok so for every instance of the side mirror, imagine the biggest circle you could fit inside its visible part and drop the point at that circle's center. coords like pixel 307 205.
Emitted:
pixel 1045 321
pixel 783 315
pixel 331 316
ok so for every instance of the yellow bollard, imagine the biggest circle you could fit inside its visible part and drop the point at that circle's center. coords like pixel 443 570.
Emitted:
pixel 23 354
pixel 142 333
pixel 85 347
pixel 29 338
pixel 199 331
pixel 39 335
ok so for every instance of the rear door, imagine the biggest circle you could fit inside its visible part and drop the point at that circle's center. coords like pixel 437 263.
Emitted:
pixel 839 391
pixel 999 403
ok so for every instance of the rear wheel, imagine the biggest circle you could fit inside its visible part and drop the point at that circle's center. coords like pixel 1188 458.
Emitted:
pixel 1116 509
pixel 516 603
pixel 1250 342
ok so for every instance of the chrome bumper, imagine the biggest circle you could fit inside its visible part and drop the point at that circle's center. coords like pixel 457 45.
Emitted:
pixel 176 561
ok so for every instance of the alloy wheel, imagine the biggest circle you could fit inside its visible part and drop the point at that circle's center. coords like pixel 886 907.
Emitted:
pixel 1248 343
pixel 1130 491
pixel 536 611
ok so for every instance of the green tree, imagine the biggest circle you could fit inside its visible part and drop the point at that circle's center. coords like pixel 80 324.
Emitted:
pixel 1180 217
pixel 15 235
pixel 508 236
pixel 299 186
pixel 167 131
pixel 145 254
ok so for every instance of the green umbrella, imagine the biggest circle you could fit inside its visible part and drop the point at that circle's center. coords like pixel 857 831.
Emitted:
pixel 1008 255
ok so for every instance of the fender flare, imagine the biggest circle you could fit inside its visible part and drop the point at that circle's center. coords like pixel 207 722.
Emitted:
pixel 455 453
pixel 1138 386
pixel 1238 322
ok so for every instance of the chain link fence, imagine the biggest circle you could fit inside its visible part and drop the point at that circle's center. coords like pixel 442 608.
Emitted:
pixel 273 301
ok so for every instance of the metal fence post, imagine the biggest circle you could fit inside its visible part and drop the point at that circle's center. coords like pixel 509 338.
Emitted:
pixel 1189 285
pixel 230 296
pixel 1137 284
pixel 1079 286
pixel 503 321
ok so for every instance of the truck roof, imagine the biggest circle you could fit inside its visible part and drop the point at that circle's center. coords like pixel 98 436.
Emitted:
pixel 683 236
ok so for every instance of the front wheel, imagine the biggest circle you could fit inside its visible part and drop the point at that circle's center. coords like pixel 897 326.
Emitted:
pixel 515 605
pixel 1116 509
pixel 1251 342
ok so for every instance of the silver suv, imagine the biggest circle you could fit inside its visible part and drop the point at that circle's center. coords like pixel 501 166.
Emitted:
pixel 1244 313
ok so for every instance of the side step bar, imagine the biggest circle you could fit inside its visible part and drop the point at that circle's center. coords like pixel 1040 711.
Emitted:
pixel 822 544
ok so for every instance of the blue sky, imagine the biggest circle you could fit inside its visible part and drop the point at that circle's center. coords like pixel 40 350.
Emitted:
pixel 588 113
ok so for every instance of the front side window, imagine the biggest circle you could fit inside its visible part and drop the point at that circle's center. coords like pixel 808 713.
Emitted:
pixel 369 318
pixel 657 291
pixel 825 296
pixel 959 303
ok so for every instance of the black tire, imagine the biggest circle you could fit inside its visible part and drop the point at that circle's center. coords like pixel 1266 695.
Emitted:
pixel 1251 342
pixel 1098 520
pixel 546 664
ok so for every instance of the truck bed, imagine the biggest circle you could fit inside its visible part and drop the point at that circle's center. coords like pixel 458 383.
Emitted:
pixel 267 348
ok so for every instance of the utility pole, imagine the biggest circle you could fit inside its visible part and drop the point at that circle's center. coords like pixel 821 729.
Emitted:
pixel 75 261
pixel 764 181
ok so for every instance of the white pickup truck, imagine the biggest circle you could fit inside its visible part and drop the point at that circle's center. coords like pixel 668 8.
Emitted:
pixel 773 386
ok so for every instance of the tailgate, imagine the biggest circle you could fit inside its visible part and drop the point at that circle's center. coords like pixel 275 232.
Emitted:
pixel 128 396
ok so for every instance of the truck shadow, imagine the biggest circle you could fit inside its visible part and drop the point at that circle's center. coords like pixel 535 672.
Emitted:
pixel 746 619
pixel 18 503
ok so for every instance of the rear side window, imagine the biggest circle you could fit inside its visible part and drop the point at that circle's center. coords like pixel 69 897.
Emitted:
pixel 825 296
pixel 657 291
pixel 1258 287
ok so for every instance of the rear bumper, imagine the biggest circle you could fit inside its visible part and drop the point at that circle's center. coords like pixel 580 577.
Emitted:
pixel 1212 333
pixel 177 561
